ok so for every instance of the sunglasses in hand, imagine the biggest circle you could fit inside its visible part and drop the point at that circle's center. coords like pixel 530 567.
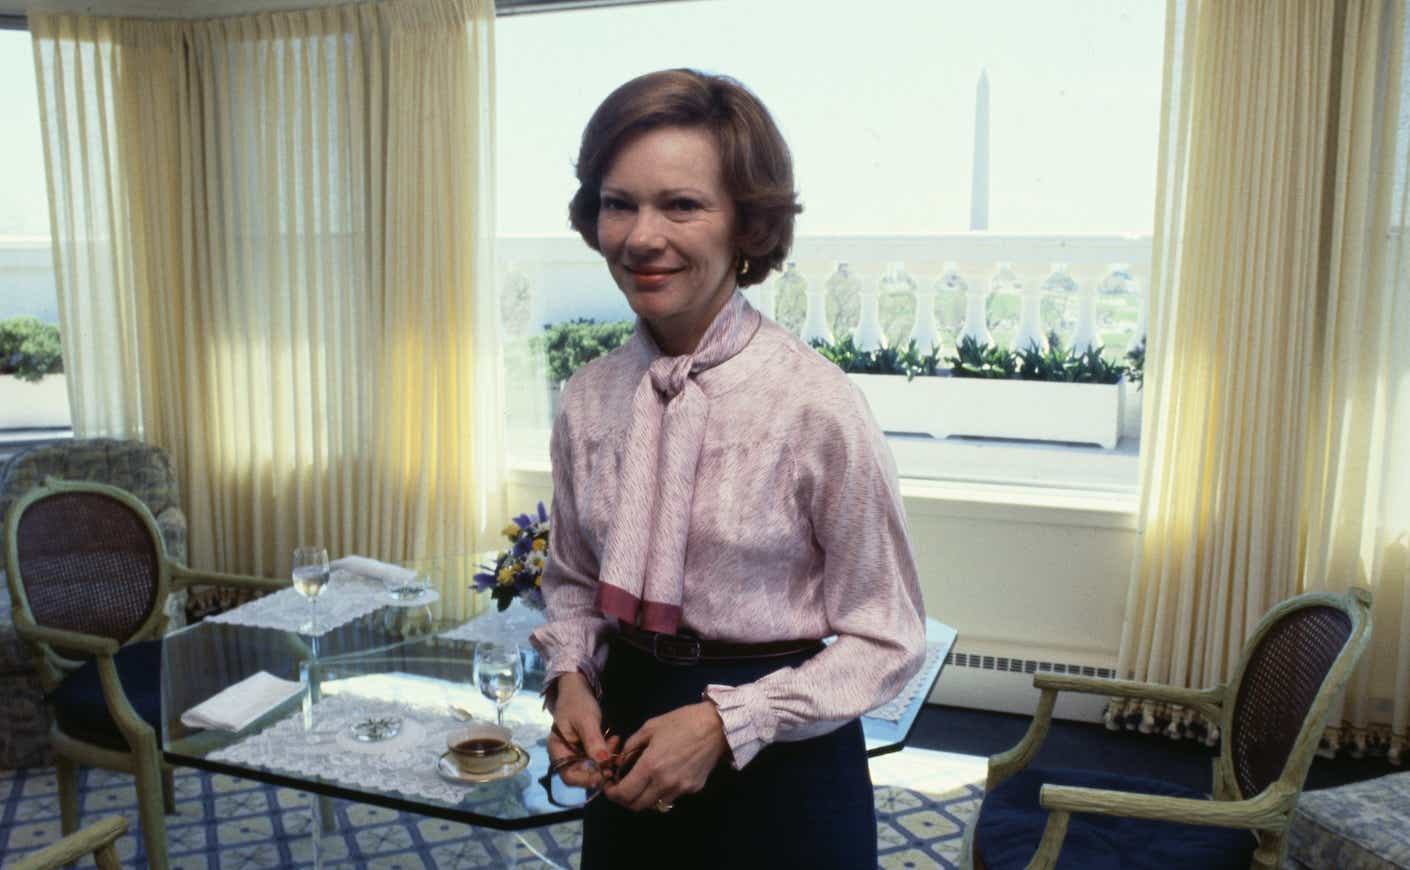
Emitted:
pixel 575 779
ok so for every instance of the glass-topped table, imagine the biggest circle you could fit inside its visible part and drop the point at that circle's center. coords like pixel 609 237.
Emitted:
pixel 388 664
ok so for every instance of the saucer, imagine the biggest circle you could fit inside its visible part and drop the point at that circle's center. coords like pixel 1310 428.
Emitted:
pixel 473 771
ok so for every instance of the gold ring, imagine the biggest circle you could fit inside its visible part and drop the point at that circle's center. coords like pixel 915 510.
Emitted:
pixel 664 806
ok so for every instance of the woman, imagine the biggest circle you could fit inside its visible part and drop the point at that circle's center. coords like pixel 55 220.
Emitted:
pixel 722 501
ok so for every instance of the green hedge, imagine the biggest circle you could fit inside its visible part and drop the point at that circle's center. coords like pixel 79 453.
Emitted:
pixel 573 343
pixel 29 348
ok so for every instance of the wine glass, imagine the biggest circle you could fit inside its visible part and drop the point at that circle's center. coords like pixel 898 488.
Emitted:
pixel 499 672
pixel 310 577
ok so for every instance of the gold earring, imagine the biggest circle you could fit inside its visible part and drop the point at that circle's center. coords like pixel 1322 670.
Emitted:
pixel 743 264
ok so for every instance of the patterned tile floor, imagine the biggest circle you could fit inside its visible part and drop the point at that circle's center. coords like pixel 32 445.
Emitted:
pixel 923 799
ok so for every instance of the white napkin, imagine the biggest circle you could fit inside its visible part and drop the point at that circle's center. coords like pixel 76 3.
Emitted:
pixel 390 575
pixel 235 707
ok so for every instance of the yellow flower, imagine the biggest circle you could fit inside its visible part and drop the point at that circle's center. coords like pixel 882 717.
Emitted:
pixel 540 545
pixel 511 531
pixel 538 580
pixel 506 575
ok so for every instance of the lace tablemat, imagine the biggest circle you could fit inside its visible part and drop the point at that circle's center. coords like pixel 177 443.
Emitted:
pixel 893 710
pixel 405 763
pixel 510 625
pixel 347 597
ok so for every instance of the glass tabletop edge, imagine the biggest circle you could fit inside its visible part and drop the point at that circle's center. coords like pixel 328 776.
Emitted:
pixel 407 805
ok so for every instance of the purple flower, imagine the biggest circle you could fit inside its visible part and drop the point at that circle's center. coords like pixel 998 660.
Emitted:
pixel 522 583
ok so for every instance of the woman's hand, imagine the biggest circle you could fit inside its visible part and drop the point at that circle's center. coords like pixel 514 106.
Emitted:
pixel 678 751
pixel 579 718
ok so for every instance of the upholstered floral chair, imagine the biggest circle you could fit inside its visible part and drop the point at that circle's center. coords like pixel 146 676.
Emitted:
pixel 141 469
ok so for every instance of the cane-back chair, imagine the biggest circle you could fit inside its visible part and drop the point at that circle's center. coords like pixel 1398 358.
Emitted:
pixel 1271 717
pixel 88 575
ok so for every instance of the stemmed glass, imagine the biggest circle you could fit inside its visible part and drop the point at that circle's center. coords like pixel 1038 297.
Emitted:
pixel 310 577
pixel 499 672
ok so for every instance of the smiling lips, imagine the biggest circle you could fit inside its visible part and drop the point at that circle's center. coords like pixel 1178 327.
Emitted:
pixel 650 279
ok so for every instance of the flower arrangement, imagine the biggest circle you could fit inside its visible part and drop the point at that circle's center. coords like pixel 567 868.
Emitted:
pixel 517 572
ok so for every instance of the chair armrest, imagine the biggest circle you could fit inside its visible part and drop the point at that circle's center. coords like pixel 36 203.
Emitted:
pixel 88 644
pixel 91 838
pixel 182 577
pixel 1269 811
pixel 1006 764
pixel 1009 762
pixel 1207 701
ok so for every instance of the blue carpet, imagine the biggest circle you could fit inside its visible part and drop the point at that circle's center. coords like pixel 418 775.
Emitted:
pixel 237 824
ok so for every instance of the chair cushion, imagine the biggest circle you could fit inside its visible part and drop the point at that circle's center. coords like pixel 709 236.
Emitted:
pixel 1011 823
pixel 82 713
pixel 1361 826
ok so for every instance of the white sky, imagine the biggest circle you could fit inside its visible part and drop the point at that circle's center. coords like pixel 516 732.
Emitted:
pixel 876 101
pixel 24 202
pixel 877 107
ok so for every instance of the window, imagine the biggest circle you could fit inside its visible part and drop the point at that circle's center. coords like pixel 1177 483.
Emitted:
pixel 938 148
pixel 33 395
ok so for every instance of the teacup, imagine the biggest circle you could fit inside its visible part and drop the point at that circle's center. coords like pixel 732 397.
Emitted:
pixel 478 748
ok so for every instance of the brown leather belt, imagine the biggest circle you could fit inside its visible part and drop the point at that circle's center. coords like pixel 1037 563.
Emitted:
pixel 675 649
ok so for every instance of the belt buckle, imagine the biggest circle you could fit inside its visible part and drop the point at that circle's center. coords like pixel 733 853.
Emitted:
pixel 675 650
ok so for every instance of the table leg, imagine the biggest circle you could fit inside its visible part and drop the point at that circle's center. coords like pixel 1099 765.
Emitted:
pixel 513 845
pixel 315 828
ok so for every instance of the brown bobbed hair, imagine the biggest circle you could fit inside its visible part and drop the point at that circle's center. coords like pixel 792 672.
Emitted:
pixel 758 170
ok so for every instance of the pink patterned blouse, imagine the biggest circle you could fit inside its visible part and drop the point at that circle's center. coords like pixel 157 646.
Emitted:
pixel 796 530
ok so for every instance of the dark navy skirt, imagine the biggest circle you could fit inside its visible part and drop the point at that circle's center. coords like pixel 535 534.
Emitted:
pixel 801 804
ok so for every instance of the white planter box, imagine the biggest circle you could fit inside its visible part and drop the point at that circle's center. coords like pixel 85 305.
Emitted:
pixel 942 406
pixel 1131 405
pixel 42 404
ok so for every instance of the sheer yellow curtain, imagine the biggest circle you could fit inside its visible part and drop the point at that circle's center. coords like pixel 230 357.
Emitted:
pixel 297 241
pixel 1277 369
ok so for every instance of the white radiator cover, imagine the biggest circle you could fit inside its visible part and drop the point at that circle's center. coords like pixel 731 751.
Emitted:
pixel 1004 684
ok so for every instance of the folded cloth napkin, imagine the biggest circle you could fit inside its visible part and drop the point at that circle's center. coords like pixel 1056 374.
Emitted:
pixel 235 707
pixel 390 575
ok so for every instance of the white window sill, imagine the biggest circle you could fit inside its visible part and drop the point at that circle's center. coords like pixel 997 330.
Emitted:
pixel 1051 484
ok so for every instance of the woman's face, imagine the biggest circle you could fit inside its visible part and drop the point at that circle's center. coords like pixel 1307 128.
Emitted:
pixel 667 229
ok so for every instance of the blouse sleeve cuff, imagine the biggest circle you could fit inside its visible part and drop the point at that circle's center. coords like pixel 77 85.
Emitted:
pixel 749 723
pixel 566 659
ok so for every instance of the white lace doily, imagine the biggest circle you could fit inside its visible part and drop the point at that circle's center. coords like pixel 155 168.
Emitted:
pixel 405 763
pixel 893 710
pixel 347 597
pixel 500 626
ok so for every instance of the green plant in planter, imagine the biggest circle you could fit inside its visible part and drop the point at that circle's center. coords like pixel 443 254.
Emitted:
pixel 1054 364
pixel 1064 365
pixel 29 348
pixel 885 361
pixel 573 343
pixel 1136 364
pixel 973 360
pixel 929 365
pixel 1093 368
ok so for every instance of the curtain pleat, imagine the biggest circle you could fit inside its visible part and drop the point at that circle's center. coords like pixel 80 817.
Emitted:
pixel 1278 457
pixel 272 257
